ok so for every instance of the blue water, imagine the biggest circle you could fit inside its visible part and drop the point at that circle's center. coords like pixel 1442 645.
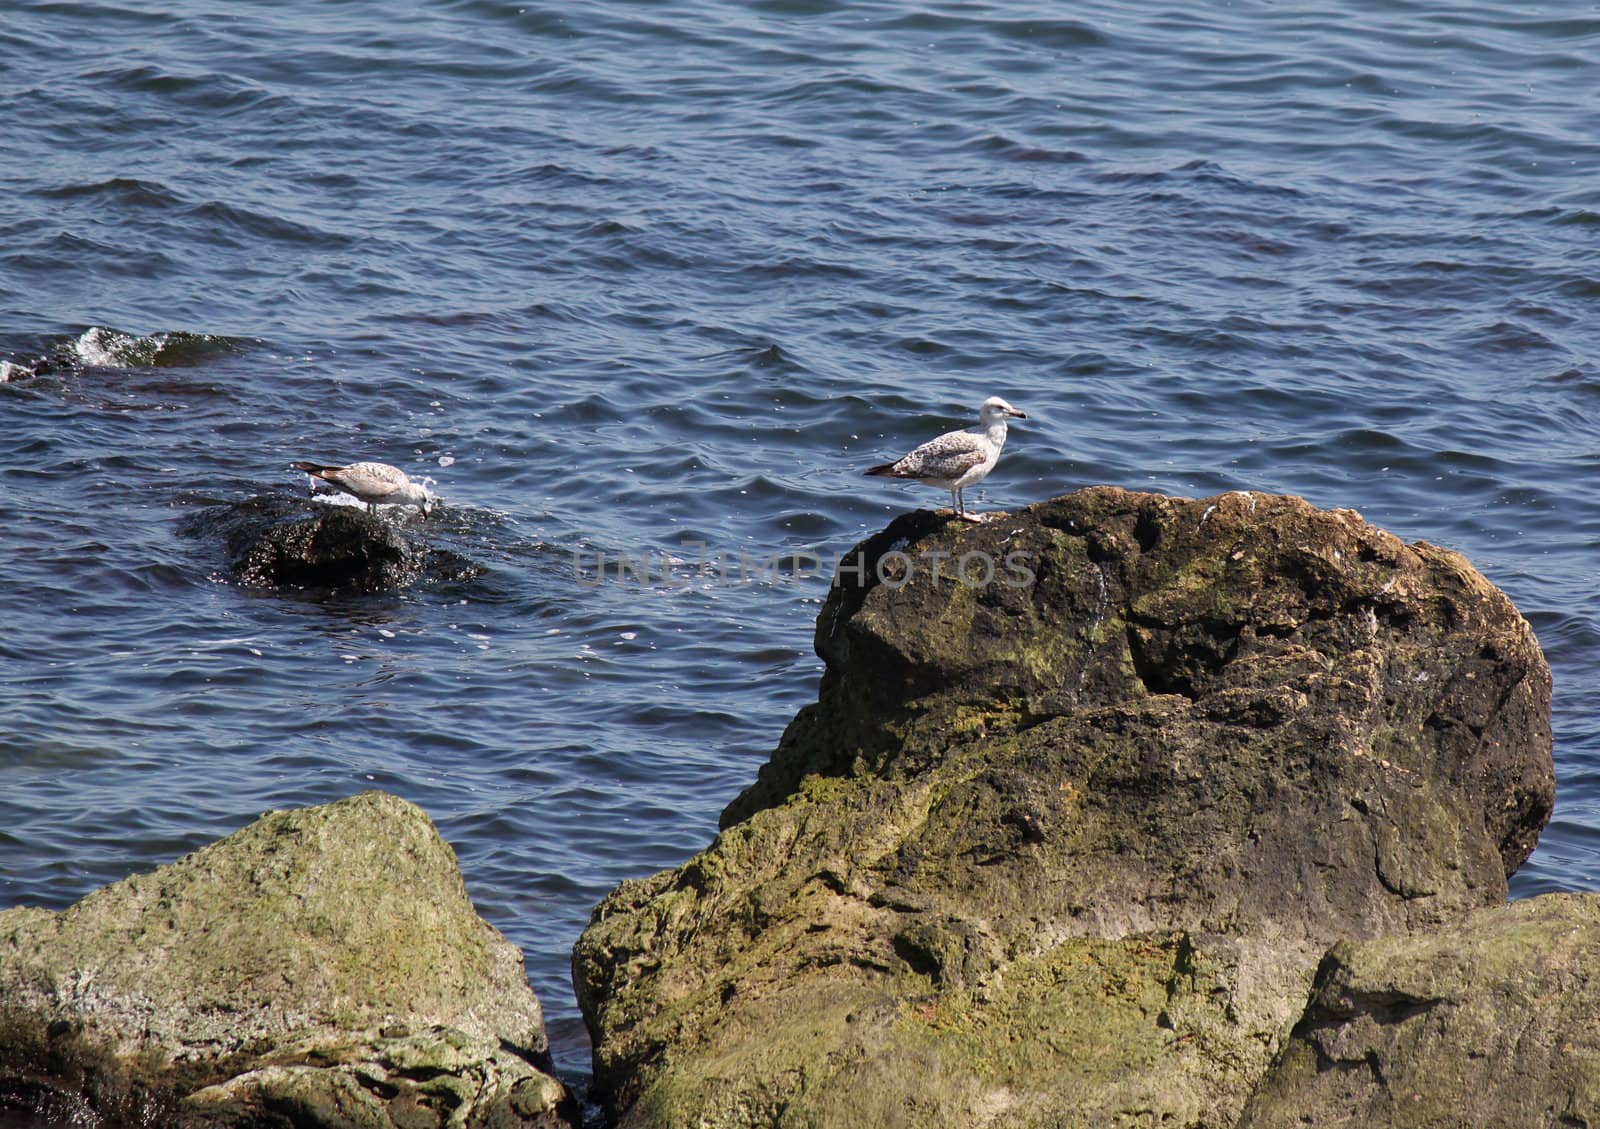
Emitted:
pixel 623 278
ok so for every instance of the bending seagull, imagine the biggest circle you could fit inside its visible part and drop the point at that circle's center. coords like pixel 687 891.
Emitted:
pixel 958 459
pixel 374 483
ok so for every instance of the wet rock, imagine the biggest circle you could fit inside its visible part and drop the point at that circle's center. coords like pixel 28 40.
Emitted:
pixel 1490 1021
pixel 1066 847
pixel 321 967
pixel 274 541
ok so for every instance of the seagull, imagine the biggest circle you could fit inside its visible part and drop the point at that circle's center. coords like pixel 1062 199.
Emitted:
pixel 958 459
pixel 374 483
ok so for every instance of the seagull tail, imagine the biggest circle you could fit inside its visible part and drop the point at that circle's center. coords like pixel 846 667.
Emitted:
pixel 885 469
pixel 316 470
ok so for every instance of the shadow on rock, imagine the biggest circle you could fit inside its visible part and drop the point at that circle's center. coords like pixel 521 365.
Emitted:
pixel 276 541
pixel 1489 1021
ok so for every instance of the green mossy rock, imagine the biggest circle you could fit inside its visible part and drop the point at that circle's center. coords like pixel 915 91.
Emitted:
pixel 1065 848
pixel 1489 1021
pixel 321 967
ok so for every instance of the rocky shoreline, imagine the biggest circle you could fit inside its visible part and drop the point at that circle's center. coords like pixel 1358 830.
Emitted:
pixel 1181 812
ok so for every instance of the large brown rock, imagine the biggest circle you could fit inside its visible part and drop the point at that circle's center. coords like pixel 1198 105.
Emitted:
pixel 321 967
pixel 1066 846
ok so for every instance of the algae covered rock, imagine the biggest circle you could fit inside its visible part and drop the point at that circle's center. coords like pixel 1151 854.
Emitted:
pixel 1087 791
pixel 320 967
pixel 1492 1021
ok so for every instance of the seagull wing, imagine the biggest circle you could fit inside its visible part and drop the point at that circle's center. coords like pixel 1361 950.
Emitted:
pixel 371 481
pixel 947 457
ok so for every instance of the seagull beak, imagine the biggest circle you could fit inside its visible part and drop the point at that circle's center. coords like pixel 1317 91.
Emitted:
pixel 1019 415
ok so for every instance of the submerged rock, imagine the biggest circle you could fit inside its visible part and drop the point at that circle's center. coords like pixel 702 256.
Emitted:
pixel 1065 847
pixel 1491 1021
pixel 274 541
pixel 321 967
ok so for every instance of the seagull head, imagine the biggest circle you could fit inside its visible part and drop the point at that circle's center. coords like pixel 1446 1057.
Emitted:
pixel 995 410
pixel 416 494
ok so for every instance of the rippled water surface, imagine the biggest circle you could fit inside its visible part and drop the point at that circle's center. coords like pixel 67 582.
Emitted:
pixel 631 277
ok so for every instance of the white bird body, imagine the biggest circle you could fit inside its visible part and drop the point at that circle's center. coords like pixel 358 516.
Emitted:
pixel 376 484
pixel 957 459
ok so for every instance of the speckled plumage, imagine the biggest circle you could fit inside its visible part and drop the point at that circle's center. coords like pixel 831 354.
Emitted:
pixel 376 484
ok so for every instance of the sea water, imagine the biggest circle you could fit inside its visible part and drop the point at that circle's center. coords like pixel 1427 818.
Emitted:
pixel 653 282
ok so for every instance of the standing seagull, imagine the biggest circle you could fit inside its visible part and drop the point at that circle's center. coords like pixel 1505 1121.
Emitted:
pixel 374 483
pixel 958 459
